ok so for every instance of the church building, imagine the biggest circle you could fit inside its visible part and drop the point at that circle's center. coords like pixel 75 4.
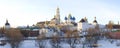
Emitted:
pixel 56 19
pixel 7 25
pixel 83 24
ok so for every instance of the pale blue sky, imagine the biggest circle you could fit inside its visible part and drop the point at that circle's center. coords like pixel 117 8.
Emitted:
pixel 23 12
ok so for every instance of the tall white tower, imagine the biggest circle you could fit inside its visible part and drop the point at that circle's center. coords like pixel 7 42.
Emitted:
pixel 57 16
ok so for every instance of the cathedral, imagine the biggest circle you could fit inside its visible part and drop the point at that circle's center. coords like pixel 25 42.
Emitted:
pixel 53 22
pixel 56 19
pixel 82 25
pixel 70 19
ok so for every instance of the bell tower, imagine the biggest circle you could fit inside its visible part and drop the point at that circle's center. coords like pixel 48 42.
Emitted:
pixel 57 16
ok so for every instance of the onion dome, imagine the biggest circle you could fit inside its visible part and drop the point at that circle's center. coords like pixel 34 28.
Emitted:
pixel 69 16
pixel 7 23
pixel 66 18
pixel 95 21
pixel 82 20
pixel 73 18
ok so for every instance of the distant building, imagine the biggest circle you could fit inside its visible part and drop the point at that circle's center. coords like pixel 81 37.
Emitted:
pixel 53 22
pixel 7 25
pixel 70 23
pixel 69 19
pixel 42 24
pixel 115 27
pixel 83 24
pixel 29 31
pixel 49 31
pixel 56 20
pixel 114 35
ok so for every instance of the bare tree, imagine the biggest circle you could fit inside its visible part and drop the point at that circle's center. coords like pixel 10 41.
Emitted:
pixel 110 25
pixel 97 27
pixel 2 30
pixel 76 36
pixel 72 37
pixel 14 37
pixel 92 37
pixel 55 41
pixel 40 42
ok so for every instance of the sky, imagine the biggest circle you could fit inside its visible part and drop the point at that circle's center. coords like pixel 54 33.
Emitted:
pixel 29 12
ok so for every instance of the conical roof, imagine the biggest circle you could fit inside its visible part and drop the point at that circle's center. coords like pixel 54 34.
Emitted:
pixel 7 23
pixel 82 20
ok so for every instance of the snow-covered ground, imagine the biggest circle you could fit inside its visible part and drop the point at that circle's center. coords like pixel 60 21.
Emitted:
pixel 104 43
pixel 28 44
pixel 108 44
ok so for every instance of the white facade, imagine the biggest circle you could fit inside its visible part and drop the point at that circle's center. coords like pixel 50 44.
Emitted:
pixel 70 27
pixel 48 32
pixel 7 27
pixel 84 26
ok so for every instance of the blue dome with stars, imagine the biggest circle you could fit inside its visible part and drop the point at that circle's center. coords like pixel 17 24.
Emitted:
pixel 65 18
pixel 71 18
pixel 74 18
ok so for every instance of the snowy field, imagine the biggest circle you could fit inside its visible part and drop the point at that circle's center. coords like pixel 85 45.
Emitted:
pixel 105 43
pixel 108 44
